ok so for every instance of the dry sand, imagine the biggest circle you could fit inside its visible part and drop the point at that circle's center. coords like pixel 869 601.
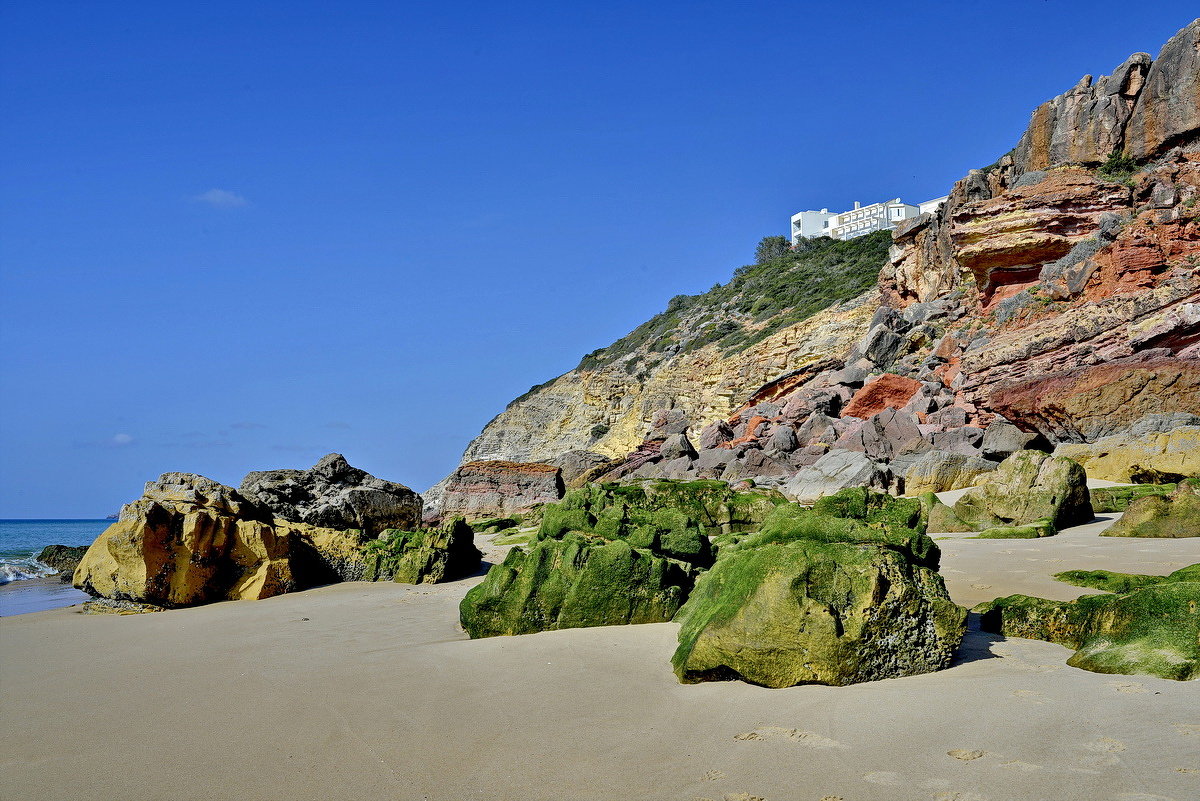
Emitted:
pixel 372 691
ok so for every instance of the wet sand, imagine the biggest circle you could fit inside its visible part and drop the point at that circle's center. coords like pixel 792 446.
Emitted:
pixel 373 691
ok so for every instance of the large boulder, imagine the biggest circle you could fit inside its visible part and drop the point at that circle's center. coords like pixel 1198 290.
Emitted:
pixel 1026 487
pixel 479 490
pixel 575 582
pixel 1153 630
pixel 820 599
pixel 1162 516
pixel 1145 457
pixel 938 471
pixel 332 494
pixel 189 540
pixel 424 556
pixel 835 471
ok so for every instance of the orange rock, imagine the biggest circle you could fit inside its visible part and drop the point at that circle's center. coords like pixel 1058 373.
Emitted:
pixel 889 391
pixel 751 432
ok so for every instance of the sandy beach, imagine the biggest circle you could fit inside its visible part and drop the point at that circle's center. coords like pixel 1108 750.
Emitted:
pixel 372 690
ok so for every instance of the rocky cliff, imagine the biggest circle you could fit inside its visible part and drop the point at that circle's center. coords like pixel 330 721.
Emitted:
pixel 1054 299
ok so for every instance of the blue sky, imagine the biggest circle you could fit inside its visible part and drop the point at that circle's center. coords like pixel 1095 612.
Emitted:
pixel 237 236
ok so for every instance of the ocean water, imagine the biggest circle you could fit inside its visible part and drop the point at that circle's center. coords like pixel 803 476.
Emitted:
pixel 22 540
pixel 26 585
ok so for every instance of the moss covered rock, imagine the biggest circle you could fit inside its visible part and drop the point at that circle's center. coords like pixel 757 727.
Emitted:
pixel 815 598
pixel 1117 499
pixel 1152 630
pixel 1028 486
pixel 1029 531
pixel 671 518
pixel 610 554
pixel 825 612
pixel 1162 516
pixel 1110 581
pixel 940 518
pixel 423 556
pixel 573 582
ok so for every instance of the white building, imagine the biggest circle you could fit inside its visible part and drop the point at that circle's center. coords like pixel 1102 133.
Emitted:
pixel 858 221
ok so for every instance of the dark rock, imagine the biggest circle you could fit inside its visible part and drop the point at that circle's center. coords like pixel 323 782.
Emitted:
pixel 333 494
pixel 63 558
pixel 715 434
pixel 1002 440
pixel 677 445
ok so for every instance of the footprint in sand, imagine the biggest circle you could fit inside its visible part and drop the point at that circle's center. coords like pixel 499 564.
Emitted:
pixel 1127 686
pixel 965 755
pixel 809 738
pixel 1105 745
pixel 1024 767
pixel 832 798
pixel 713 775
pixel 1187 728
pixel 981 586
pixel 743 797
pixel 1187 770
pixel 883 777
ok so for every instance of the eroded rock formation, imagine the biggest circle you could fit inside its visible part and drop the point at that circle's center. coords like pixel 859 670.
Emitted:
pixel 332 494
pixel 496 489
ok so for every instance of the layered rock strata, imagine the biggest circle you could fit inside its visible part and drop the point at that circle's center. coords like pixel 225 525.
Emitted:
pixel 495 489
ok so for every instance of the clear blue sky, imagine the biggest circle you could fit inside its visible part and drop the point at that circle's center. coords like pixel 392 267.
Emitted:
pixel 237 236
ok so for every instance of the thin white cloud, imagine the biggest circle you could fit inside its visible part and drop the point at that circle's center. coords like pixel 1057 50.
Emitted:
pixel 221 199
pixel 246 425
pixel 120 440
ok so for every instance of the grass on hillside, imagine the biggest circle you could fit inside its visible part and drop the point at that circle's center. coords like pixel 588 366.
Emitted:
pixel 760 300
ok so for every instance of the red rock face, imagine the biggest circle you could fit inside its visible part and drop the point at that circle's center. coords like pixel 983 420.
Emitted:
pixel 1005 240
pixel 886 392
pixel 496 489
pixel 1095 401
pixel 752 430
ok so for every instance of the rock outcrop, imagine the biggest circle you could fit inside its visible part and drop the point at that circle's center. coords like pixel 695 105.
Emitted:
pixel 821 599
pixel 189 540
pixel 610 555
pixel 1052 302
pixel 1152 630
pixel 1027 487
pixel 63 558
pixel 1138 455
pixel 332 494
pixel 423 557
pixel 479 490
pixel 1167 515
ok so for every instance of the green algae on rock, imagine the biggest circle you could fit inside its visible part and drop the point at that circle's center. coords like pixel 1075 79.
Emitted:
pixel 1117 499
pixel 1152 629
pixel 574 582
pixel 819 599
pixel 611 554
pixel 1110 581
pixel 1162 516
pixel 1030 531
pixel 423 556
pixel 1028 486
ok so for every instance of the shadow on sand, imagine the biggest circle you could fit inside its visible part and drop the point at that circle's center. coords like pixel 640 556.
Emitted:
pixel 977 644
